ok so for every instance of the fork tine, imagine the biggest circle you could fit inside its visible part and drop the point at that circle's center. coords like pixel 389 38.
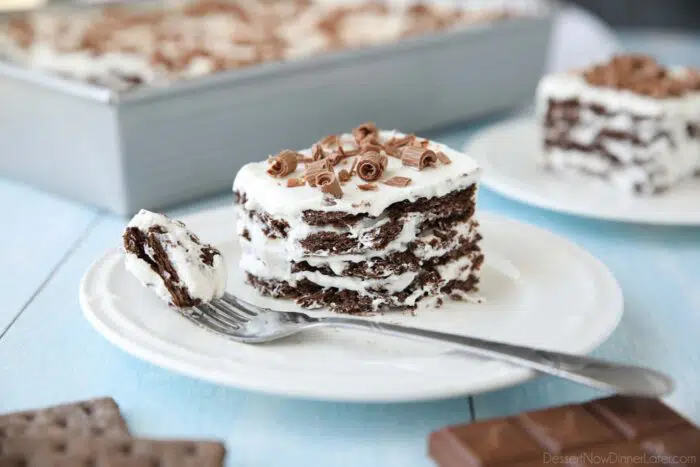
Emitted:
pixel 211 313
pixel 228 310
pixel 243 306
pixel 223 315
pixel 204 320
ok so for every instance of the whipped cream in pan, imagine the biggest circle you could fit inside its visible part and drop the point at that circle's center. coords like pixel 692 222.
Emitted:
pixel 169 259
pixel 160 44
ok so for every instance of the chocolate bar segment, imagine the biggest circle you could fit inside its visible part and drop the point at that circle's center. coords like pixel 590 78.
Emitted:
pixel 563 428
pixel 95 417
pixel 109 452
pixel 615 431
pixel 636 417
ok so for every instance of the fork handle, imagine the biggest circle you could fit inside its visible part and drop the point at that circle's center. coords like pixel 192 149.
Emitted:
pixel 623 379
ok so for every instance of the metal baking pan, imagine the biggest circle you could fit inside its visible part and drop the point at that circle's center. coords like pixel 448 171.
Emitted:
pixel 153 147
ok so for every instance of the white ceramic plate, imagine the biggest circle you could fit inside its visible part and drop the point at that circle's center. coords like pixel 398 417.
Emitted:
pixel 540 290
pixel 508 151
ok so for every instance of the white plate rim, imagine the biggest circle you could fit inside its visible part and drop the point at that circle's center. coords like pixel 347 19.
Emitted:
pixel 502 185
pixel 150 353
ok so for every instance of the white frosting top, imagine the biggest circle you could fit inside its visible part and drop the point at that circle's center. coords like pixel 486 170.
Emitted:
pixel 203 282
pixel 271 195
pixel 563 86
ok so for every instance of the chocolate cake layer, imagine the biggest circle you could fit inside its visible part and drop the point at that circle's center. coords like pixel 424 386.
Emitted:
pixel 563 117
pixel 437 212
pixel 310 295
pixel 393 264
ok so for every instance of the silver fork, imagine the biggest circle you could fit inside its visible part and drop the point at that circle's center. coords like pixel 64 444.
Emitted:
pixel 244 322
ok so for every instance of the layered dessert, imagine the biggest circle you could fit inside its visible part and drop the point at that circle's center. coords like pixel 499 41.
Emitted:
pixel 631 122
pixel 361 222
pixel 172 261
pixel 122 47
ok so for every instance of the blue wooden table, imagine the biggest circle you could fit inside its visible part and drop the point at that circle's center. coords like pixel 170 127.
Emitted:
pixel 50 354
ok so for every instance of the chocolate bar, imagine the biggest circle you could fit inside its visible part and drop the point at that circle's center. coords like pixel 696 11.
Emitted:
pixel 96 417
pixel 108 452
pixel 616 431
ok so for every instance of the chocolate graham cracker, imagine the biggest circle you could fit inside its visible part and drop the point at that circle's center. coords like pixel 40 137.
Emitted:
pixel 615 431
pixel 96 418
pixel 66 451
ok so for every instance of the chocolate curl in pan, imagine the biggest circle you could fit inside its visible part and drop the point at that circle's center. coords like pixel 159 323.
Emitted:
pixel 283 164
pixel 312 169
pixel 370 166
pixel 328 182
pixel 365 131
pixel 419 158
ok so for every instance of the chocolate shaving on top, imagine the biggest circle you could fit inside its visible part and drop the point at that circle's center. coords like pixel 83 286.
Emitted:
pixel 372 146
pixel 392 146
pixel 317 152
pixel 640 74
pixel 367 186
pixel 418 157
pixel 370 166
pixel 364 131
pixel 397 181
pixel 328 182
pixel 295 182
pixel 330 141
pixel 344 175
pixel 442 157
pixel 312 169
pixel 283 164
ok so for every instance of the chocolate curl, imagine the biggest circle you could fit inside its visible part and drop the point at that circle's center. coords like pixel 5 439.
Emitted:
pixel 330 141
pixel 393 146
pixel 398 181
pixel 692 79
pixel 370 166
pixel 344 175
pixel 367 187
pixel 312 169
pixel 371 146
pixel 283 164
pixel 419 158
pixel 328 182
pixel 348 152
pixel 354 165
pixel 442 157
pixel 364 131
pixel 317 153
